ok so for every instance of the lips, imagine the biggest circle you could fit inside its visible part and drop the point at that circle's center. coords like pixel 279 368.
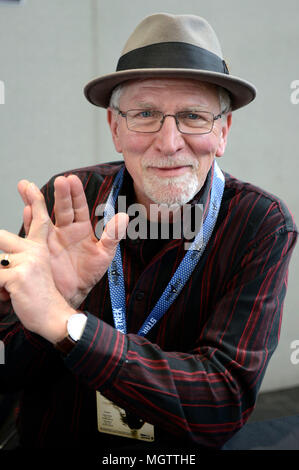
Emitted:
pixel 168 171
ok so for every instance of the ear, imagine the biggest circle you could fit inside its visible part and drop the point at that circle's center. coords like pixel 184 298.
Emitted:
pixel 113 121
pixel 223 136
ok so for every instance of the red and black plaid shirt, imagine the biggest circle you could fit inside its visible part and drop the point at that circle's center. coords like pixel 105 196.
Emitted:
pixel 196 375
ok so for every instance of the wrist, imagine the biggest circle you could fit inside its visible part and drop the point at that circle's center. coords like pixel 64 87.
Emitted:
pixel 58 329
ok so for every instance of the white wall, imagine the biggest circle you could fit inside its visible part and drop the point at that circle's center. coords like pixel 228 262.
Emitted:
pixel 47 52
pixel 49 49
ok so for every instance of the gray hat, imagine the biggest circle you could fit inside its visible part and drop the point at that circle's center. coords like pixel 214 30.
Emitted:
pixel 178 46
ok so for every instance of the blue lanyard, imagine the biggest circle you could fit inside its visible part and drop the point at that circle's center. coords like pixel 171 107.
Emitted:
pixel 184 270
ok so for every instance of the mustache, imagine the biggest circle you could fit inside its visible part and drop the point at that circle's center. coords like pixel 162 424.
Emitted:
pixel 169 162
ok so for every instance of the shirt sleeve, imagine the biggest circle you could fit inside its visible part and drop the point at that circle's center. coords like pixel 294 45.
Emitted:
pixel 207 394
pixel 25 353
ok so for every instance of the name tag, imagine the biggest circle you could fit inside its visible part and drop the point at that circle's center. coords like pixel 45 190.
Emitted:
pixel 115 420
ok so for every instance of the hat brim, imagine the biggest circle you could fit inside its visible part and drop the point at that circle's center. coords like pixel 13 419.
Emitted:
pixel 98 91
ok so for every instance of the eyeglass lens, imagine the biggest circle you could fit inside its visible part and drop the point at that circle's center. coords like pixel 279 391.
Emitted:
pixel 191 122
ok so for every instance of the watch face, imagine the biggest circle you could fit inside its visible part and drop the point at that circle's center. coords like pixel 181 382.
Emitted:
pixel 75 325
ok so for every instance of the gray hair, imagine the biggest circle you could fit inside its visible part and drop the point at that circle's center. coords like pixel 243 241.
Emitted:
pixel 224 98
pixel 115 96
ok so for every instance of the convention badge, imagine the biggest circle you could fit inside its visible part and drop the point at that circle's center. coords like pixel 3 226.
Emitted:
pixel 115 420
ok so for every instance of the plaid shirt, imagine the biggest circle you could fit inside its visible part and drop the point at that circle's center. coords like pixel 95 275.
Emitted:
pixel 196 374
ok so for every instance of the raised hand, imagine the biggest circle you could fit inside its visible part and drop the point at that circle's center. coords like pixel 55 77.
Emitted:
pixel 28 278
pixel 78 259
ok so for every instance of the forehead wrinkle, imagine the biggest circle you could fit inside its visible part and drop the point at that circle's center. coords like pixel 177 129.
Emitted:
pixel 145 104
pixel 150 95
pixel 155 84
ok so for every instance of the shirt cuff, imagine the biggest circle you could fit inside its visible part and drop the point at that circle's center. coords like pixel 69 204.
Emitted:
pixel 99 354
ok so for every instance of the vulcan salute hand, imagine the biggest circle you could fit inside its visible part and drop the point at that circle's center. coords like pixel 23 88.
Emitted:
pixel 55 266
pixel 78 259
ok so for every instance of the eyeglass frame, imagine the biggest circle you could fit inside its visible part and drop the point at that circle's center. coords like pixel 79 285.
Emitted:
pixel 124 115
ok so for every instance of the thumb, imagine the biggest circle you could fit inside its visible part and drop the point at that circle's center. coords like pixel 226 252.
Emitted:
pixel 114 231
pixel 40 222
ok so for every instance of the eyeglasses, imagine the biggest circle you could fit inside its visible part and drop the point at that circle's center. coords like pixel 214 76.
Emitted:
pixel 187 122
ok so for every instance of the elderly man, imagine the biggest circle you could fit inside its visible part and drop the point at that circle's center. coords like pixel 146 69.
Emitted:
pixel 142 342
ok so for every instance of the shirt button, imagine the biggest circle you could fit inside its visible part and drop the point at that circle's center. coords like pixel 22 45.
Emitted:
pixel 140 295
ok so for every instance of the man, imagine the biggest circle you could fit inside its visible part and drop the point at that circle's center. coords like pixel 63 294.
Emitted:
pixel 169 346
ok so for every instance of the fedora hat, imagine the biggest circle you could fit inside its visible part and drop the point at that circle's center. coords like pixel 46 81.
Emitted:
pixel 179 46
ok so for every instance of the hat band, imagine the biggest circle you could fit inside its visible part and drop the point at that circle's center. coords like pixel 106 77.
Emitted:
pixel 172 55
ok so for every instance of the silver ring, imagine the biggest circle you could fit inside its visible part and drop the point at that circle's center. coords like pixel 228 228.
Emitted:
pixel 5 262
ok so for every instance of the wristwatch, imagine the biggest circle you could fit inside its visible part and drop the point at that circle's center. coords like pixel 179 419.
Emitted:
pixel 75 326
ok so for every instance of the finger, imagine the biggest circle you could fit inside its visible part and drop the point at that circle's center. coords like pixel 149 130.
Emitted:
pixel 27 214
pixel 80 206
pixel 27 219
pixel 6 274
pixel 70 201
pixel 63 206
pixel 114 231
pixel 41 222
pixel 15 260
pixel 11 243
pixel 22 188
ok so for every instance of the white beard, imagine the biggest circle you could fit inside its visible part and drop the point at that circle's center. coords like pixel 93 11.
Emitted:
pixel 173 190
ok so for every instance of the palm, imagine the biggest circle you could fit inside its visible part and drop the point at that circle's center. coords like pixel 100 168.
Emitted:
pixel 76 260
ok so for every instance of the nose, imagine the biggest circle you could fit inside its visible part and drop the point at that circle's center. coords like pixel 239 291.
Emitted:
pixel 169 139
